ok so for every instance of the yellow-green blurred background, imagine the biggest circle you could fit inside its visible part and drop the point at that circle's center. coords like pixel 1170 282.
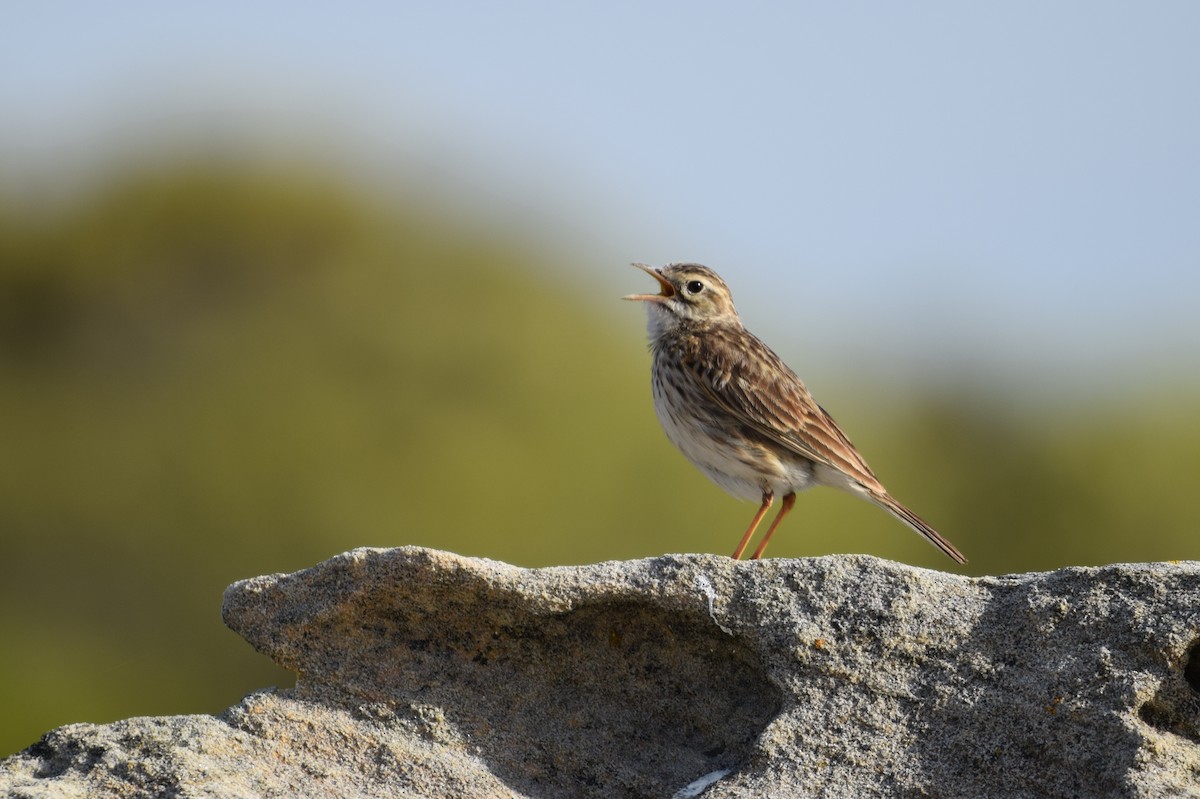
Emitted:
pixel 240 334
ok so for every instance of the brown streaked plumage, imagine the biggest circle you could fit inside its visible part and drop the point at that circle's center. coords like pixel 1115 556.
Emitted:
pixel 739 414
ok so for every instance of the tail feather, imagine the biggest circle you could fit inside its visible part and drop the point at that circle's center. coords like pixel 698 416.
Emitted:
pixel 914 521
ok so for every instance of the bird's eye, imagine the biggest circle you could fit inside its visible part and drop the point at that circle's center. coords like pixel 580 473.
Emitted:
pixel 694 287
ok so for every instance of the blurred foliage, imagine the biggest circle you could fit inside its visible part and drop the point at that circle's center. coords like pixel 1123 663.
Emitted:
pixel 209 372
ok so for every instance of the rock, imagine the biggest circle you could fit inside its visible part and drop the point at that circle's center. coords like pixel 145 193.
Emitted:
pixel 425 674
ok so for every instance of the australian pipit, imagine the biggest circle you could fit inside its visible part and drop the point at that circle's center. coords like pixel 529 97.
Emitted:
pixel 740 414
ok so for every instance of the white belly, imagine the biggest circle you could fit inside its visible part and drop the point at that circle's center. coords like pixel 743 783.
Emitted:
pixel 744 469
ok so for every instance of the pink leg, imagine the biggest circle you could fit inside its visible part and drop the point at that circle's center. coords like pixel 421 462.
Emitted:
pixel 788 501
pixel 767 499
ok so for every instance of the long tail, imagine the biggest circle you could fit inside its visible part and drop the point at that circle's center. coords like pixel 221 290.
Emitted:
pixel 914 521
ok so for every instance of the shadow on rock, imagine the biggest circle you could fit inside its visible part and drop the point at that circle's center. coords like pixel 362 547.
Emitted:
pixel 1049 703
pixel 609 698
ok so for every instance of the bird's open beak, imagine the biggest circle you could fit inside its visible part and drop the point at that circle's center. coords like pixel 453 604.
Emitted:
pixel 667 289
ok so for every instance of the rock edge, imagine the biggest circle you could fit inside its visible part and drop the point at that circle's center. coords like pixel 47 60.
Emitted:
pixel 425 674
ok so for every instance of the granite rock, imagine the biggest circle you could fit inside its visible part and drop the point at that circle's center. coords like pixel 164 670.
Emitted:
pixel 425 674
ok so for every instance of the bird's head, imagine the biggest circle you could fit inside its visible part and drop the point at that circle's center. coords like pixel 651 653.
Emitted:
pixel 687 293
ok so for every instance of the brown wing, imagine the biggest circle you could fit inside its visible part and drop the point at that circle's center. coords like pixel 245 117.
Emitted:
pixel 753 385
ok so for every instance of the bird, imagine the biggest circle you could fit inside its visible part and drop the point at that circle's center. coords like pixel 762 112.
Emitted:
pixel 740 414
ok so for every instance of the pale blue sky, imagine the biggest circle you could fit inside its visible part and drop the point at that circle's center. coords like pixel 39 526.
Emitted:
pixel 1016 183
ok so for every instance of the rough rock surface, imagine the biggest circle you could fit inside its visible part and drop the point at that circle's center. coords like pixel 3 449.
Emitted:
pixel 425 674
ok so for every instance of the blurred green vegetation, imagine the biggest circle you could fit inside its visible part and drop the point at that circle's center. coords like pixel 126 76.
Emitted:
pixel 210 371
